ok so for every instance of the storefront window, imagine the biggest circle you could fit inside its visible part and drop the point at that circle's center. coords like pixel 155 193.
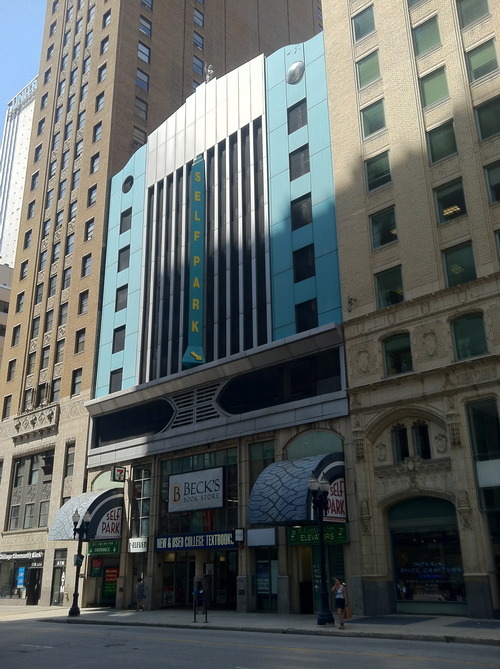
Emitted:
pixel 141 502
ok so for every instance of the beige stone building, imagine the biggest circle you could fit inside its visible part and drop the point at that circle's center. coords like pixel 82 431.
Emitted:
pixel 415 121
pixel 110 72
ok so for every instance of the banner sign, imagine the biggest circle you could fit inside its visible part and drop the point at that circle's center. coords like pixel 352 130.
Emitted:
pixel 109 526
pixel 27 555
pixel 202 540
pixel 138 545
pixel 306 536
pixel 336 502
pixel 104 547
pixel 196 490
pixel 193 354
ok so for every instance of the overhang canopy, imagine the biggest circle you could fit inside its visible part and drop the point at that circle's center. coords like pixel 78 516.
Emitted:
pixel 98 504
pixel 280 495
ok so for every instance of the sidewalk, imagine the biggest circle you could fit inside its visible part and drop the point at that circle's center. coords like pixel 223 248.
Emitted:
pixel 417 628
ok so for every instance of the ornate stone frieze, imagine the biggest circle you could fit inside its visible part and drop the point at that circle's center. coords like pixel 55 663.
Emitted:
pixel 381 451
pixel 359 443
pixel 41 421
pixel 414 474
pixel 463 509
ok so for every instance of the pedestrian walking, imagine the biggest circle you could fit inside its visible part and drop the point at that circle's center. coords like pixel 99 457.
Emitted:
pixel 140 594
pixel 340 601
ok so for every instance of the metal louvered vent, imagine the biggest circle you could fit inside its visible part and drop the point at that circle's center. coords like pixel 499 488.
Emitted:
pixel 195 406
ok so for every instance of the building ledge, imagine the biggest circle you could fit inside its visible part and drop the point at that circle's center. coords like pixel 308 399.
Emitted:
pixel 43 421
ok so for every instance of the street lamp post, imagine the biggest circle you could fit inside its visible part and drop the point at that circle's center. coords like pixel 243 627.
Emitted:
pixel 81 531
pixel 319 491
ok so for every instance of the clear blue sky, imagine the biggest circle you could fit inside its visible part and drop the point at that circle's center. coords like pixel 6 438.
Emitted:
pixel 21 30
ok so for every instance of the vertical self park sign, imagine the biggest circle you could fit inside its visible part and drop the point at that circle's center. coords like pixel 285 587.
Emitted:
pixel 193 354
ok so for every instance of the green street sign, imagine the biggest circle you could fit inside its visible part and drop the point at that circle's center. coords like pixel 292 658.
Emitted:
pixel 104 547
pixel 335 533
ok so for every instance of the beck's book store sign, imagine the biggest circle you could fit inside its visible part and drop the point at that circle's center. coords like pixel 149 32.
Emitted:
pixel 196 490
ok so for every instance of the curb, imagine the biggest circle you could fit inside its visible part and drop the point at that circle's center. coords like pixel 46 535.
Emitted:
pixel 394 636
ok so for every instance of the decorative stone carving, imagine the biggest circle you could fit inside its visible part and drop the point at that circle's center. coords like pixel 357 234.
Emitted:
pixel 429 340
pixel 463 509
pixel 381 451
pixel 455 434
pixel 413 475
pixel 365 517
pixel 30 494
pixel 46 491
pixel 363 360
pixel 16 495
pixel 67 486
pixel 441 443
pixel 41 421
pixel 359 444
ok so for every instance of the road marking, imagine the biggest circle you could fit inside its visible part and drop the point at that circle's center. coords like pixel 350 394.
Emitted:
pixel 32 645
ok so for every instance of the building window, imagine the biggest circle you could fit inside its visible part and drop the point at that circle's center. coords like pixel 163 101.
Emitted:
pixel 99 102
pixel 303 263
pixel 73 206
pixel 125 220
pixel 92 196
pixel 297 116
pixel 84 90
pixel 14 517
pixel 441 141
pixel 42 262
pixel 97 132
pixel 301 211
pixel 35 327
pixel 39 293
pixel 397 354
pixel 383 227
pixel 363 24
pixel 299 162
pixel 52 285
pixel 41 126
pixel 78 148
pixel 49 321
pixel 106 19
pixel 34 180
pixel 121 298
pixel 450 201
pixel 76 52
pixel 138 137
pixel 433 87
pixel 91 14
pixel 75 179
pixel 86 264
pixel 52 28
pixel 23 270
pixel 123 258
pixel 470 11
pixel 50 52
pixel 69 463
pixel 63 314
pixel 76 382
pixel 104 46
pixel 38 153
pixel 83 302
pixel 306 315
pixel 145 26
pixel 493 179
pixel 59 357
pixel 56 390
pixel 61 87
pixel 94 163
pixel 71 103
pixel 141 109
pixel 80 341
pixel 484 429
pixel 198 41
pixel 58 115
pixel 378 171
pixel 469 336
pixel 66 281
pixel 144 52
pixel 56 251
pixel 482 60
pixel 43 516
pixel 46 76
pixel 28 236
pixel 62 189
pixel 30 368
pixel 368 70
pixel 81 120
pixel 148 4
pixel 199 18
pixel 118 339
pixel 115 380
pixel 101 73
pixel 197 65
pixel 45 357
pixel 70 243
pixel 373 118
pixel 459 265
pixel 488 118
pixel 142 79
pixel 11 369
pixel 55 141
pixel 426 36
pixel 31 209
pixel 19 303
pixel 89 230
pixel 7 404
pixel 399 438
pixel 389 285
pixel 89 38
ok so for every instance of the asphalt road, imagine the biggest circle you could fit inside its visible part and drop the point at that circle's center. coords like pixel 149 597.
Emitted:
pixel 39 645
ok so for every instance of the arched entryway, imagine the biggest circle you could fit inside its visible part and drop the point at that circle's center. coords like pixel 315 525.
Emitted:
pixel 427 559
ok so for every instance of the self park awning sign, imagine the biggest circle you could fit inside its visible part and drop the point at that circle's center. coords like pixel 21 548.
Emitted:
pixel 193 354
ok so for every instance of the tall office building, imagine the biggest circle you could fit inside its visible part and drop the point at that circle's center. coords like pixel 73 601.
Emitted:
pixel 111 71
pixel 415 130
pixel 14 152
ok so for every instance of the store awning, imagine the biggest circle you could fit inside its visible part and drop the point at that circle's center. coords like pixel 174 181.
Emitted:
pixel 105 508
pixel 280 495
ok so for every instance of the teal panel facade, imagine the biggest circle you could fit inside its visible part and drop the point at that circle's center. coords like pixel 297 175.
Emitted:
pixel 122 199
pixel 324 286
